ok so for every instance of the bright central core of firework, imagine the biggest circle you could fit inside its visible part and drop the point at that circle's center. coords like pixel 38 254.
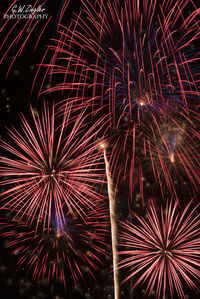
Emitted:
pixel 144 99
pixel 141 103
pixel 53 173
pixel 167 253
pixel 172 158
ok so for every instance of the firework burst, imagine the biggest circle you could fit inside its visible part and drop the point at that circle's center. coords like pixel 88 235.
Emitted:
pixel 62 251
pixel 51 166
pixel 132 59
pixel 133 62
pixel 163 249
pixel 170 152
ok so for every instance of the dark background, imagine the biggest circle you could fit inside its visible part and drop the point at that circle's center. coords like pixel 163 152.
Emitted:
pixel 15 97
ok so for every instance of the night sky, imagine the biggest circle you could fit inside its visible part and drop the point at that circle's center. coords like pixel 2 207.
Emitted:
pixel 16 97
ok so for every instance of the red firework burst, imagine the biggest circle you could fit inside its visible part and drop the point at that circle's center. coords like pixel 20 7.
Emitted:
pixel 143 72
pixel 52 165
pixel 72 248
pixel 164 249
pixel 131 60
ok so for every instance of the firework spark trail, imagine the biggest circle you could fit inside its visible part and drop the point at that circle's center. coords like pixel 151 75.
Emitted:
pixel 51 166
pixel 171 155
pixel 61 251
pixel 150 71
pixel 163 250
pixel 144 76
pixel 113 223
pixel 23 29
pixel 124 75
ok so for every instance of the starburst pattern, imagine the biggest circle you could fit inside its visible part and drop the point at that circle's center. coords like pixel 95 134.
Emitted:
pixel 51 167
pixel 132 61
pixel 137 64
pixel 147 69
pixel 163 250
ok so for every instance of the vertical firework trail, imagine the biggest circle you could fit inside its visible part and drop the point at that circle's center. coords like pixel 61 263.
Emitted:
pixel 113 223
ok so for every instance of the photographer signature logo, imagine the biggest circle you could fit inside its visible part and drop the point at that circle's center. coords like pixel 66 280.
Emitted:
pixel 26 12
